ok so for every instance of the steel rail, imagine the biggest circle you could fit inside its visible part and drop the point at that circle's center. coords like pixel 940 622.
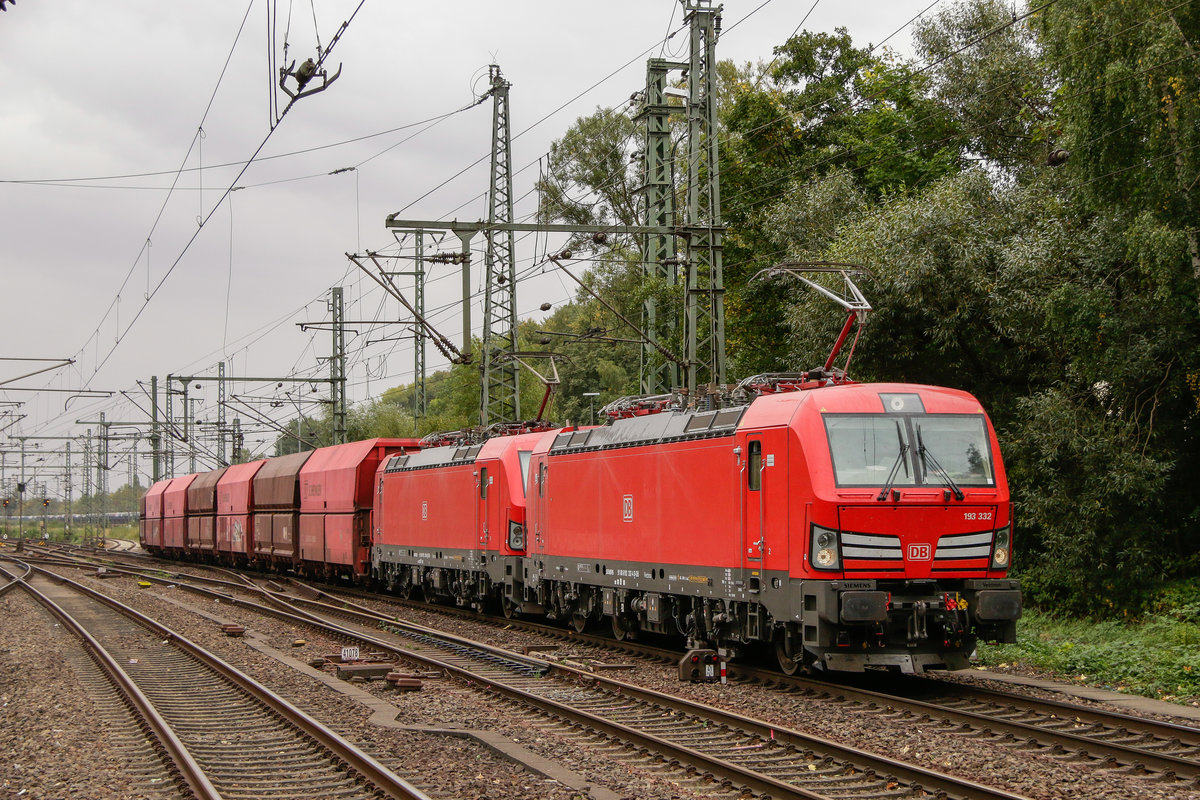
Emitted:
pixel 357 759
pixel 913 776
pixel 1060 708
pixel 1053 708
pixel 1186 769
pixel 1127 755
pixel 14 580
pixel 916 777
pixel 188 768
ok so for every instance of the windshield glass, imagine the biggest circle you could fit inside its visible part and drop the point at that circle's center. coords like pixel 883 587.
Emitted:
pixel 959 443
pixel 865 447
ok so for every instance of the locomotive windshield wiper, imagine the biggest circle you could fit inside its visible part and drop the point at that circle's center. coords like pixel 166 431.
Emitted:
pixel 927 459
pixel 900 459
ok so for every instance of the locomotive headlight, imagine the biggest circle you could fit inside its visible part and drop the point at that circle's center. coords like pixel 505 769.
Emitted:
pixel 825 553
pixel 1001 548
pixel 516 536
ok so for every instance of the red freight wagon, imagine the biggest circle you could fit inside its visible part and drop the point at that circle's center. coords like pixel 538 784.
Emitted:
pixel 277 509
pixel 449 520
pixel 151 532
pixel 142 519
pixel 336 488
pixel 175 503
pixel 235 523
pixel 202 510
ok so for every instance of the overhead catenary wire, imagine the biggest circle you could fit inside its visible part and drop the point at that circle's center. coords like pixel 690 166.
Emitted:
pixel 187 246
pixel 570 198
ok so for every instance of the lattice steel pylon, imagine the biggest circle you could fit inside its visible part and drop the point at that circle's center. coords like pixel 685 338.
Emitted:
pixel 169 448
pixel 222 458
pixel 500 396
pixel 704 302
pixel 420 403
pixel 87 484
pixel 337 366
pixel 658 374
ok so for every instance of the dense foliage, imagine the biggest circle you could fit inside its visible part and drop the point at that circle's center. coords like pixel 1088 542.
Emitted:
pixel 1024 196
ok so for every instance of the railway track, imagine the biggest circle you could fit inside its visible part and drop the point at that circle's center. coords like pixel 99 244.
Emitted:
pixel 223 734
pixel 1166 750
pixel 732 751
pixel 12 581
pixel 128 740
pixel 1110 739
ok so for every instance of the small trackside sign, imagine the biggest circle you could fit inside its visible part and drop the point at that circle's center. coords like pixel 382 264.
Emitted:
pixel 919 552
pixel 627 508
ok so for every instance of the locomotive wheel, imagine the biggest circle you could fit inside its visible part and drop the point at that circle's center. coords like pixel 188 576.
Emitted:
pixel 406 590
pixel 786 664
pixel 579 622
pixel 619 631
pixel 510 610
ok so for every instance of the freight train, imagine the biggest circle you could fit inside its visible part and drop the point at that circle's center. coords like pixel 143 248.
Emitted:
pixel 845 526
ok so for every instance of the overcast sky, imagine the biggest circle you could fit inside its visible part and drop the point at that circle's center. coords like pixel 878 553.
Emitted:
pixel 92 93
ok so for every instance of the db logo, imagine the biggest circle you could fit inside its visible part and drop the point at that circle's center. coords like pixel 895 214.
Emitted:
pixel 627 508
pixel 425 510
pixel 918 552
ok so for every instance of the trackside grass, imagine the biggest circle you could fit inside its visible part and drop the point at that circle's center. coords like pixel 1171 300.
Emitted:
pixel 1157 655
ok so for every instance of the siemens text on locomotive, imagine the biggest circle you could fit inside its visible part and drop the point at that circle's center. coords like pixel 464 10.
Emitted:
pixel 847 526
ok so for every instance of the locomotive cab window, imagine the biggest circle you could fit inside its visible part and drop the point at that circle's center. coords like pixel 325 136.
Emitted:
pixel 523 456
pixel 960 445
pixel 868 449
pixel 754 467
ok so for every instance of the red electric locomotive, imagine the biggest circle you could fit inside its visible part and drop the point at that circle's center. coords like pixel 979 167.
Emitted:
pixel 848 526
pixel 449 522
pixel 851 526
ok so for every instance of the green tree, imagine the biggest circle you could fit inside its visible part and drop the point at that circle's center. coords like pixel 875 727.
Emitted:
pixel 1129 107
pixel 829 109
pixel 988 73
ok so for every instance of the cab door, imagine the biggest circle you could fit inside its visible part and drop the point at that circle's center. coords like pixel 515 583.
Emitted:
pixel 540 470
pixel 482 513
pixel 764 493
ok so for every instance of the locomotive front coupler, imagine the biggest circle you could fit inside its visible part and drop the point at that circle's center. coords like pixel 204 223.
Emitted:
pixel 917 631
